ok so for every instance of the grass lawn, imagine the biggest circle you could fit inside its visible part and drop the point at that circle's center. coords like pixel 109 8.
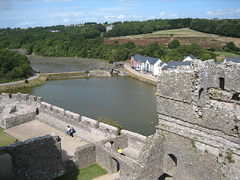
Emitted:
pixel 87 173
pixel 226 54
pixel 5 139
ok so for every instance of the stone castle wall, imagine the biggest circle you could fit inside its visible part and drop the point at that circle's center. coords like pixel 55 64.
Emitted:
pixel 199 119
pixel 104 154
pixel 73 119
pixel 45 149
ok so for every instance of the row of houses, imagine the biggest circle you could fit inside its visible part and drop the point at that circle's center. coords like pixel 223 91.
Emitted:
pixel 154 66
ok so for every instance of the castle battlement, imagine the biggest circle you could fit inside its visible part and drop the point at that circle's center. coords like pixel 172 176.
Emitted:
pixel 49 114
pixel 199 117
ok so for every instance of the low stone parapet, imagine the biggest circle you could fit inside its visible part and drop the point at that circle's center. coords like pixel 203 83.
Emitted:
pixel 6 99
pixel 17 114
pixel 135 143
pixel 38 157
pixel 108 130
pixel 85 156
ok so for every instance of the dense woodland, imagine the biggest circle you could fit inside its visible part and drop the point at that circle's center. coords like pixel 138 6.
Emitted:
pixel 13 66
pixel 87 40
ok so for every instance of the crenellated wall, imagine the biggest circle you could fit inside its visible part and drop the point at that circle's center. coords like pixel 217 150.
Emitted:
pixel 75 120
pixel 87 129
pixel 199 119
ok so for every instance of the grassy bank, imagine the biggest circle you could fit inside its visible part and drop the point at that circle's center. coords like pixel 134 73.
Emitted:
pixel 51 76
pixel 67 75
pixel 34 82
pixel 87 173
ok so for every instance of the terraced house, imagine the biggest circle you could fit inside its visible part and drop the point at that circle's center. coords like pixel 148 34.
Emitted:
pixel 146 64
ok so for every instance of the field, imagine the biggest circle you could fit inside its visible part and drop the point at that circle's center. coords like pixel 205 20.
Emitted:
pixel 185 36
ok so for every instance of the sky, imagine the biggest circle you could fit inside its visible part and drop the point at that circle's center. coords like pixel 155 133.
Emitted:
pixel 32 13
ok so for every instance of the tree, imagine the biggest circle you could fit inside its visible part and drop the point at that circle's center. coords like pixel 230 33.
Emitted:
pixel 231 47
pixel 129 45
pixel 174 44
pixel 151 48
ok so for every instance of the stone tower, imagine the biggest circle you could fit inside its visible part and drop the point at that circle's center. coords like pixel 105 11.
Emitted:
pixel 199 119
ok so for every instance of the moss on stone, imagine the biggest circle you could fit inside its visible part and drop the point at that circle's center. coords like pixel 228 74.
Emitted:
pixel 193 143
pixel 229 157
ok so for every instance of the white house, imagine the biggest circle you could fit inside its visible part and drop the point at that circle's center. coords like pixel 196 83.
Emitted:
pixel 189 58
pixel 147 64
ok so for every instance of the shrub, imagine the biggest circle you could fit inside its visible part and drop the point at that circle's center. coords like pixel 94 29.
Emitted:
pixel 111 122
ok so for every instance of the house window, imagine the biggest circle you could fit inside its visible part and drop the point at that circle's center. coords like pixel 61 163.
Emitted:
pixel 221 83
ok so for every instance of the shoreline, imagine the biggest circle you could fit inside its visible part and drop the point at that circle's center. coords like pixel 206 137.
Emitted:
pixel 141 77
pixel 42 78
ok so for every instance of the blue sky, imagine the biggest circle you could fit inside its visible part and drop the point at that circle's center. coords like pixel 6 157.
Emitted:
pixel 32 13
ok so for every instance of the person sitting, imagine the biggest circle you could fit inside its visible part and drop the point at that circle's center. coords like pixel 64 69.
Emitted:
pixel 120 151
pixel 72 131
pixel 16 141
pixel 68 130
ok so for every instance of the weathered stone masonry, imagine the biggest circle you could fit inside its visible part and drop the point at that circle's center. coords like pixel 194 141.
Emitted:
pixel 42 163
pixel 197 136
pixel 104 139
pixel 199 117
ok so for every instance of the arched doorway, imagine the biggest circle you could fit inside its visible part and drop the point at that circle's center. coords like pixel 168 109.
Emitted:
pixel 6 170
pixel 115 165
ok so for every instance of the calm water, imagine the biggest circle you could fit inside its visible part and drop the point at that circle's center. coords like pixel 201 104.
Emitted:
pixel 130 102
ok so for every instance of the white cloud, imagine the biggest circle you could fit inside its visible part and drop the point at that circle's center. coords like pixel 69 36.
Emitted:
pixel 162 14
pixel 226 13
pixel 121 16
pixel 113 9
pixel 66 20
pixel 25 24
pixel 66 14
pixel 165 15
pixel 109 17
pixel 91 19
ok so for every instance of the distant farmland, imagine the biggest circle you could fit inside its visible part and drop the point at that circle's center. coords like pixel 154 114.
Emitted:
pixel 185 36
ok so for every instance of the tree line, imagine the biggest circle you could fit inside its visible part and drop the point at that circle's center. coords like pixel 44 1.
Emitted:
pixel 225 27
pixel 13 66
pixel 87 40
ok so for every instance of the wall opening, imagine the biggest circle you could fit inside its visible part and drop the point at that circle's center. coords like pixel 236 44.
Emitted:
pixel 236 96
pixel 164 176
pixel 115 165
pixel 221 83
pixel 174 159
pixel 6 170
pixel 37 111
pixel 200 93
pixel 235 129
